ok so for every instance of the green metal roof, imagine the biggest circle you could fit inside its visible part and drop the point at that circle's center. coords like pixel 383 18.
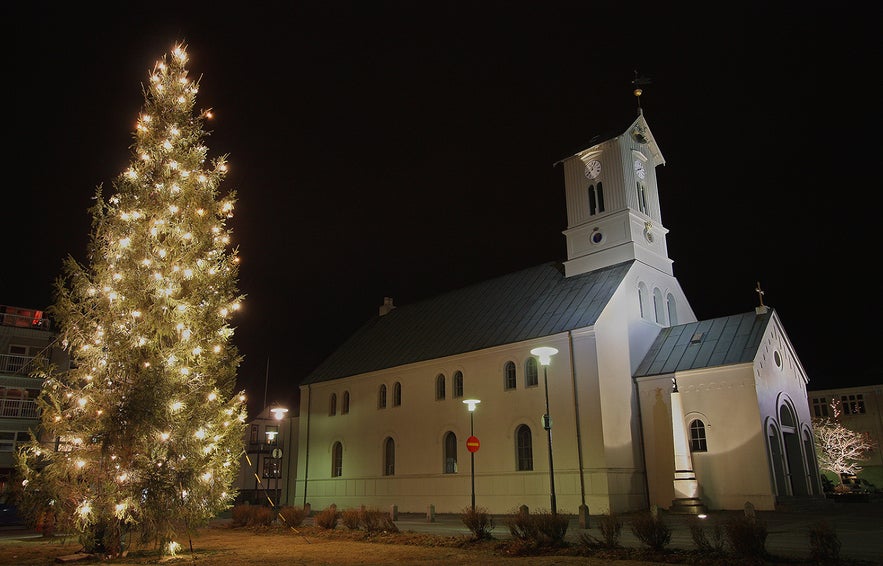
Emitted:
pixel 706 343
pixel 528 304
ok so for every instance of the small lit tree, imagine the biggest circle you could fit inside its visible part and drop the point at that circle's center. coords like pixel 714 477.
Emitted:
pixel 839 449
pixel 146 427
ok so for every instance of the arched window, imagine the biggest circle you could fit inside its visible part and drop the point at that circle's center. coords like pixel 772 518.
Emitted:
pixel 593 203
pixel 440 387
pixel 672 308
pixel 332 406
pixel 530 372
pixel 337 460
pixel 642 299
pixel 397 394
pixel 389 457
pixel 523 449
pixel 458 384
pixel 509 375
pixel 381 397
pixel 345 405
pixel 450 453
pixel 658 307
pixel 697 436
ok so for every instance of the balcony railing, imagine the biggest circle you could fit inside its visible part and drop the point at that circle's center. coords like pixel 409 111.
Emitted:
pixel 14 364
pixel 24 318
pixel 18 408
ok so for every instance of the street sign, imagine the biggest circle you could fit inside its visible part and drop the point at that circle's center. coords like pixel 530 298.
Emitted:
pixel 277 453
pixel 472 444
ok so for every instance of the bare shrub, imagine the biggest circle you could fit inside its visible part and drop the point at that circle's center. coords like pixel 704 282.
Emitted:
pixel 747 536
pixel 542 528
pixel 479 522
pixel 522 526
pixel 240 515
pixel 351 518
pixel 375 521
pixel 651 530
pixel 711 543
pixel 261 516
pixel 293 516
pixel 327 518
pixel 824 543
pixel 611 528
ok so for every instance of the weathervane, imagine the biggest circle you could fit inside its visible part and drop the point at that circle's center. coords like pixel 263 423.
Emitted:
pixel 638 82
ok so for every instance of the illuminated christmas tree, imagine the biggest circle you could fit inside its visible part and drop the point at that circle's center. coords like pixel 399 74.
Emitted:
pixel 146 427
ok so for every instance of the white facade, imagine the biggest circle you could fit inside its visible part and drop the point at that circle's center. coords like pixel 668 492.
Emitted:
pixel 758 433
pixel 379 432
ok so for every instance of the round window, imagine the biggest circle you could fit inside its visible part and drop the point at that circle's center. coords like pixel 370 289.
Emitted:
pixel 777 358
pixel 597 237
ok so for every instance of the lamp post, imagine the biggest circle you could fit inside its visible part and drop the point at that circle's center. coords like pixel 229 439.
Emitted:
pixel 545 354
pixel 278 413
pixel 471 403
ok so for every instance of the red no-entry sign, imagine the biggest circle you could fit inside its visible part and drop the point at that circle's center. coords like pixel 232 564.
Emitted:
pixel 472 444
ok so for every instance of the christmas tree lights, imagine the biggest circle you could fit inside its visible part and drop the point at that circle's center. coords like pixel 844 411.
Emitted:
pixel 146 430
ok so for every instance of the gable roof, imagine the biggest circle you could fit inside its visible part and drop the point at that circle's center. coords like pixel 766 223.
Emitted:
pixel 706 343
pixel 532 303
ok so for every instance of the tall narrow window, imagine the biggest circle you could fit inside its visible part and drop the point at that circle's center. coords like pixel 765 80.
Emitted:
pixel 658 308
pixel 530 372
pixel 523 449
pixel 642 299
pixel 345 405
pixel 450 453
pixel 389 457
pixel 397 394
pixel 458 384
pixel 697 436
pixel 509 375
pixel 440 387
pixel 381 397
pixel 592 202
pixel 255 434
pixel 642 198
pixel 332 405
pixel 337 460
pixel 672 308
pixel 600 197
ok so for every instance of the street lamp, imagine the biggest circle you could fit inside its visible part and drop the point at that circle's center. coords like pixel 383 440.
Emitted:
pixel 545 354
pixel 472 443
pixel 279 414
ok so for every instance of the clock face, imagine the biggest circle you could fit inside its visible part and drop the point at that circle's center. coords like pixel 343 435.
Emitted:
pixel 593 169
pixel 639 169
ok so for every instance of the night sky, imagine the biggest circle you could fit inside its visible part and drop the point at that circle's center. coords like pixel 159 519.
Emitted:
pixel 405 149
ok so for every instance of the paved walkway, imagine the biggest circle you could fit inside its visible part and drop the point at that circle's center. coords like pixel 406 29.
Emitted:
pixel 859 526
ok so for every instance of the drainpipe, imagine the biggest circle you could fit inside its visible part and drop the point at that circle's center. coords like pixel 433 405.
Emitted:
pixel 583 508
pixel 307 447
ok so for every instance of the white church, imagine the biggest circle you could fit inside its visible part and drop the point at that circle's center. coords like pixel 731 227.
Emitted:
pixel 641 405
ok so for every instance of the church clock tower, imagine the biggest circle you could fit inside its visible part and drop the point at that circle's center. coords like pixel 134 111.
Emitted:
pixel 613 203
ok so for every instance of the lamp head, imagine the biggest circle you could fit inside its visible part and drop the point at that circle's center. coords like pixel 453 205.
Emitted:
pixel 278 412
pixel 472 403
pixel 544 353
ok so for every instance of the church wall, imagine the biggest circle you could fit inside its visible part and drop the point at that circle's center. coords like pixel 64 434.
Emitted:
pixel 419 425
pixel 734 469
pixel 781 382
